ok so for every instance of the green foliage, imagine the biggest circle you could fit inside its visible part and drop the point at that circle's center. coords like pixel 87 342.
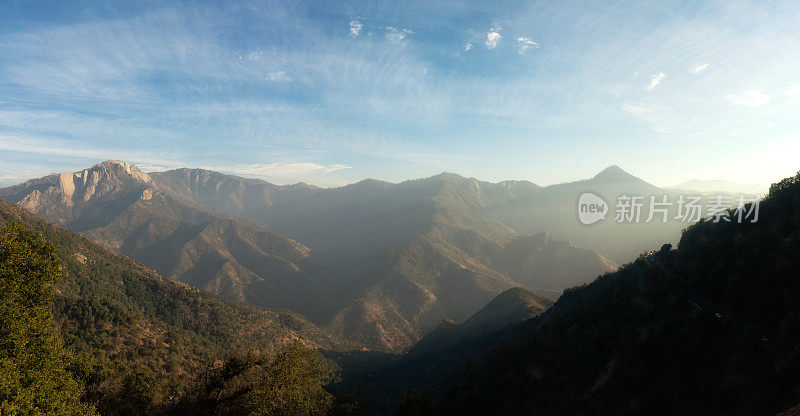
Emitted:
pixel 136 325
pixel 118 389
pixel 776 190
pixel 291 383
pixel 33 375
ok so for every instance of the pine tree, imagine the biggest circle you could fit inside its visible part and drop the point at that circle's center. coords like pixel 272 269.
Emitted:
pixel 33 375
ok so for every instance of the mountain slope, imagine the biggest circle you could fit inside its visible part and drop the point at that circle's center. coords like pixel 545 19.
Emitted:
pixel 437 360
pixel 540 261
pixel 121 208
pixel 417 286
pixel 709 328
pixel 113 308
pixel 509 308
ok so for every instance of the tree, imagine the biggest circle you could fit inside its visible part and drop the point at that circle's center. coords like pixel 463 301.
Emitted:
pixel 291 383
pixel 33 374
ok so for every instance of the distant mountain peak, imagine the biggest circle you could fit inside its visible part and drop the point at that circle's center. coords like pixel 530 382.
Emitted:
pixel 614 173
pixel 448 176
pixel 114 163
pixel 368 183
pixel 116 168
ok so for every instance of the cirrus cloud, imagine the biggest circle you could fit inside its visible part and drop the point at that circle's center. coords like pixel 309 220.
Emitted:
pixel 286 169
pixel 525 43
pixel 698 68
pixel 278 76
pixel 655 80
pixel 793 90
pixel 750 98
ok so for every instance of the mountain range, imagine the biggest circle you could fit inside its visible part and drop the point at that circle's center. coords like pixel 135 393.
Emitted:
pixel 378 263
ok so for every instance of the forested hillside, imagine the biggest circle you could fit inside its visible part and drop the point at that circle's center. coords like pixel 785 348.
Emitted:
pixel 116 310
pixel 708 328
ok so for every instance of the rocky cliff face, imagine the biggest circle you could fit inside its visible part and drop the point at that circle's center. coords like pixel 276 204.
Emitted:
pixel 64 197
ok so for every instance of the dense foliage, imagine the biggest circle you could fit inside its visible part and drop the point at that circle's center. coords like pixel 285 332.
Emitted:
pixel 33 363
pixel 288 384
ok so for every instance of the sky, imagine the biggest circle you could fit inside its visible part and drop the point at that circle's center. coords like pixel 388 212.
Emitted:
pixel 332 92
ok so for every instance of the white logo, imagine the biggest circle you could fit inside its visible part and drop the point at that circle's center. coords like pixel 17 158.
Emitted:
pixel 591 208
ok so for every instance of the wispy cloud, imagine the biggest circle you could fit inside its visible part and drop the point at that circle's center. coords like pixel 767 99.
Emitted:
pixel 355 28
pixel 286 169
pixel 64 148
pixel 524 43
pixel 698 68
pixel 27 144
pixel 652 114
pixel 396 35
pixel 794 90
pixel 750 98
pixel 493 38
pixel 279 76
pixel 655 80
pixel 467 47
pixel 254 55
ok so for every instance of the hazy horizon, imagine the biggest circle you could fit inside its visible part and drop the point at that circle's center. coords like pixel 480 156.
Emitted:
pixel 694 184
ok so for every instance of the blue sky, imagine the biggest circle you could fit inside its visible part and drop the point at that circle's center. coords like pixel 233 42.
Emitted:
pixel 334 92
